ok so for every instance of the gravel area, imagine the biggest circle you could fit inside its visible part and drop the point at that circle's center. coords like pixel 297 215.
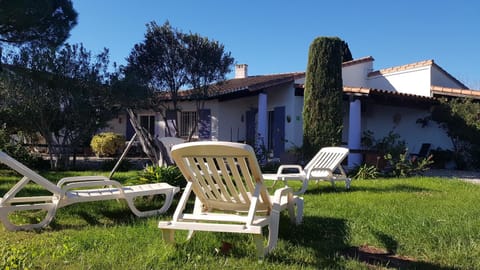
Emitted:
pixel 470 176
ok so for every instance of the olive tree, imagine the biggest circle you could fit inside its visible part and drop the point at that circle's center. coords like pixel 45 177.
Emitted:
pixel 63 95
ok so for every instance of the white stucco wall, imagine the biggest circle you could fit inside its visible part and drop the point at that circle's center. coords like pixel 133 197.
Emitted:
pixel 232 119
pixel 356 74
pixel 402 120
pixel 412 81
pixel 116 125
pixel 300 80
pixel 285 96
pixel 439 78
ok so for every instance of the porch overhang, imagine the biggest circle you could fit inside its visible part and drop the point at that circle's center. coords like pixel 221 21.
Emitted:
pixel 380 96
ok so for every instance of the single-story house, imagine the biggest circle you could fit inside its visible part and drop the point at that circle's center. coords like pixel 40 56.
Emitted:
pixel 268 108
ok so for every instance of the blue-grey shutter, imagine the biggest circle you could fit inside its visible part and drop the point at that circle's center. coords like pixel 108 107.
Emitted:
pixel 250 126
pixel 278 131
pixel 205 124
pixel 171 120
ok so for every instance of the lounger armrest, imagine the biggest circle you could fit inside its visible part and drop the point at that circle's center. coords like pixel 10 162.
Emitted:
pixel 281 192
pixel 91 183
pixel 289 167
pixel 81 179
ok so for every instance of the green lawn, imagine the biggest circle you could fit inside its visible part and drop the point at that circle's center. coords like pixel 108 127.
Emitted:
pixel 418 223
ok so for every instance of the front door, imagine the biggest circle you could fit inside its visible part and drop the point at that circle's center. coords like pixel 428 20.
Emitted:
pixel 278 131
pixel 250 126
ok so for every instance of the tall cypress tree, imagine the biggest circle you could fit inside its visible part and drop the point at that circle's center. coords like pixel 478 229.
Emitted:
pixel 322 109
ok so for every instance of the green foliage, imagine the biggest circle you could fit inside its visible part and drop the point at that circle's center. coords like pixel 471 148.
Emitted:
pixel 405 166
pixel 390 144
pixel 63 95
pixel 270 167
pixel 169 60
pixel 322 110
pixel 346 54
pixel 394 151
pixel 365 171
pixel 460 119
pixel 40 22
pixel 158 174
pixel 107 144
pixel 17 150
pixel 15 257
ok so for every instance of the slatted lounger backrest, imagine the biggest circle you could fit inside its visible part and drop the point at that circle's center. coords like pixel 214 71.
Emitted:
pixel 224 175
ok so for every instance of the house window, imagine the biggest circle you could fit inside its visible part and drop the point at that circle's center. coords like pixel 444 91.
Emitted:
pixel 188 121
pixel 148 122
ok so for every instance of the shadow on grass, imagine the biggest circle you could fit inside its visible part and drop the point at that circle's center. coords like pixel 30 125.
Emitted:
pixel 325 237
pixel 315 190
pixel 376 257
pixel 103 213
pixel 328 239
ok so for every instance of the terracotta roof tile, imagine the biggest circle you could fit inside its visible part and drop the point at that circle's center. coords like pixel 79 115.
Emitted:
pixel 412 66
pixel 357 61
pixel 254 83
pixel 401 68
pixel 356 90
pixel 446 91
pixel 250 84
pixel 369 91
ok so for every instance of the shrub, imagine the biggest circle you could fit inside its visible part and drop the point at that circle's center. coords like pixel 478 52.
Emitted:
pixel 365 171
pixel 18 151
pixel 390 144
pixel 157 174
pixel 405 166
pixel 322 110
pixel 107 144
pixel 271 167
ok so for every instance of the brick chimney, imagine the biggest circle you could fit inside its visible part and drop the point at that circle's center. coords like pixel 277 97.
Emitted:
pixel 241 71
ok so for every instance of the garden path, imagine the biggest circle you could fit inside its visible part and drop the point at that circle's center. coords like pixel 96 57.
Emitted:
pixel 469 176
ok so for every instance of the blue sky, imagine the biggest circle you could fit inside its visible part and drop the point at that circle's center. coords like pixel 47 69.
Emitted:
pixel 273 36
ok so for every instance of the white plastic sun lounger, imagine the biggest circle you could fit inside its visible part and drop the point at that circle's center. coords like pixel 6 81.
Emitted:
pixel 72 190
pixel 325 165
pixel 230 194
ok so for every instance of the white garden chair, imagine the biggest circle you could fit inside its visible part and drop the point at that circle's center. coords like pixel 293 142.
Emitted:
pixel 325 165
pixel 230 194
pixel 72 190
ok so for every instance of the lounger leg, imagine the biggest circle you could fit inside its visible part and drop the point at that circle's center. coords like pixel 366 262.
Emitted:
pixel 168 201
pixel 347 183
pixel 299 205
pixel 274 183
pixel 197 209
pixel 5 210
pixel 273 230
pixel 303 189
pixel 333 182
